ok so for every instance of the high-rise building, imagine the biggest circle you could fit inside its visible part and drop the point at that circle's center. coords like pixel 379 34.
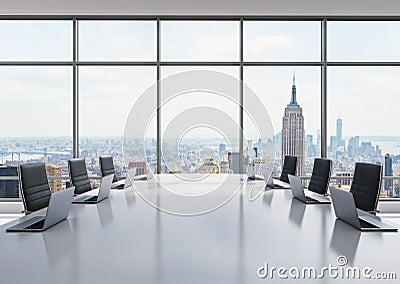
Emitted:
pixel 318 142
pixel 388 172
pixel 224 167
pixel 293 131
pixel 234 165
pixel 54 171
pixel 333 144
pixel 9 188
pixel 141 167
pixel 339 135
pixel 221 149
pixel 209 167
pixel 310 148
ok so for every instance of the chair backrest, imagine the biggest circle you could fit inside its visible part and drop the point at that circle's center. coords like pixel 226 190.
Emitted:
pixel 78 175
pixel 366 185
pixel 35 189
pixel 320 175
pixel 289 168
pixel 107 167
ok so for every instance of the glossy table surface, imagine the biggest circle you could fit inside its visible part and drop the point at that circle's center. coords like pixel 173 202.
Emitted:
pixel 125 240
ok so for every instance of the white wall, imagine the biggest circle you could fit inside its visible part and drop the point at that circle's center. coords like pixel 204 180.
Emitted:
pixel 201 7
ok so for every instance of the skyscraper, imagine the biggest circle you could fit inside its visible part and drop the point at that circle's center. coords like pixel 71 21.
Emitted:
pixel 293 131
pixel 339 130
pixel 339 134
pixel 9 188
pixel 52 171
pixel 388 172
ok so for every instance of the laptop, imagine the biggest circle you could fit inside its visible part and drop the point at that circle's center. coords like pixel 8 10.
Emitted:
pixel 252 176
pixel 120 184
pixel 345 210
pixel 104 192
pixel 267 176
pixel 147 176
pixel 269 183
pixel 57 211
pixel 298 192
pixel 280 184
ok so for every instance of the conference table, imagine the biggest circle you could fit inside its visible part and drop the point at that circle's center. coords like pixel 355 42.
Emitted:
pixel 124 239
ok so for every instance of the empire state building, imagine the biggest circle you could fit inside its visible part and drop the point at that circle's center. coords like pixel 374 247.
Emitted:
pixel 293 131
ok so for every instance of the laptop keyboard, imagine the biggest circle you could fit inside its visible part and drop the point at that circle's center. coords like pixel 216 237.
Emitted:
pixel 365 224
pixel 37 225
pixel 93 198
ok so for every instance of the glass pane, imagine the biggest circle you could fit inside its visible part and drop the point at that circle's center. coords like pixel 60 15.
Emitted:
pixel 36 40
pixel 363 120
pixel 37 105
pixel 200 40
pixel 282 41
pixel 363 41
pixel 107 95
pixel 201 147
pixel 275 87
pixel 117 40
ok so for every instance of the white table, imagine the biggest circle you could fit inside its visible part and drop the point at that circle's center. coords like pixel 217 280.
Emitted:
pixel 125 240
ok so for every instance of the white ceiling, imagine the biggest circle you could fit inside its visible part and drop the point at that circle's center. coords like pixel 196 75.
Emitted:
pixel 202 7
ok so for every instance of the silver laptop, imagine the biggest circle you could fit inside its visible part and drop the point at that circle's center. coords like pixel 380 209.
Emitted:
pixel 298 192
pixel 345 210
pixel 280 184
pixel 267 176
pixel 57 211
pixel 132 173
pixel 104 192
pixel 147 176
pixel 254 176
pixel 120 184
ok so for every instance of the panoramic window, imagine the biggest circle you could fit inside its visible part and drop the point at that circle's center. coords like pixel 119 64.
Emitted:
pixel 117 40
pixel 37 107
pixel 201 149
pixel 200 41
pixel 107 95
pixel 282 41
pixel 35 40
pixel 364 94
pixel 363 41
pixel 289 93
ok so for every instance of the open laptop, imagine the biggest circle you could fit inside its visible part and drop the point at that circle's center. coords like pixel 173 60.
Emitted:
pixel 57 211
pixel 104 192
pixel 280 184
pixel 267 176
pixel 147 176
pixel 345 210
pixel 298 192
pixel 120 184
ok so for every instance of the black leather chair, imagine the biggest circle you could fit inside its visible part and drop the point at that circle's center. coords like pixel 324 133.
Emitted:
pixel 320 176
pixel 78 175
pixel 366 186
pixel 35 189
pixel 107 167
pixel 289 168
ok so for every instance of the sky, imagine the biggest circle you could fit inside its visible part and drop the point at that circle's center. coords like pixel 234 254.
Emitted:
pixel 366 98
